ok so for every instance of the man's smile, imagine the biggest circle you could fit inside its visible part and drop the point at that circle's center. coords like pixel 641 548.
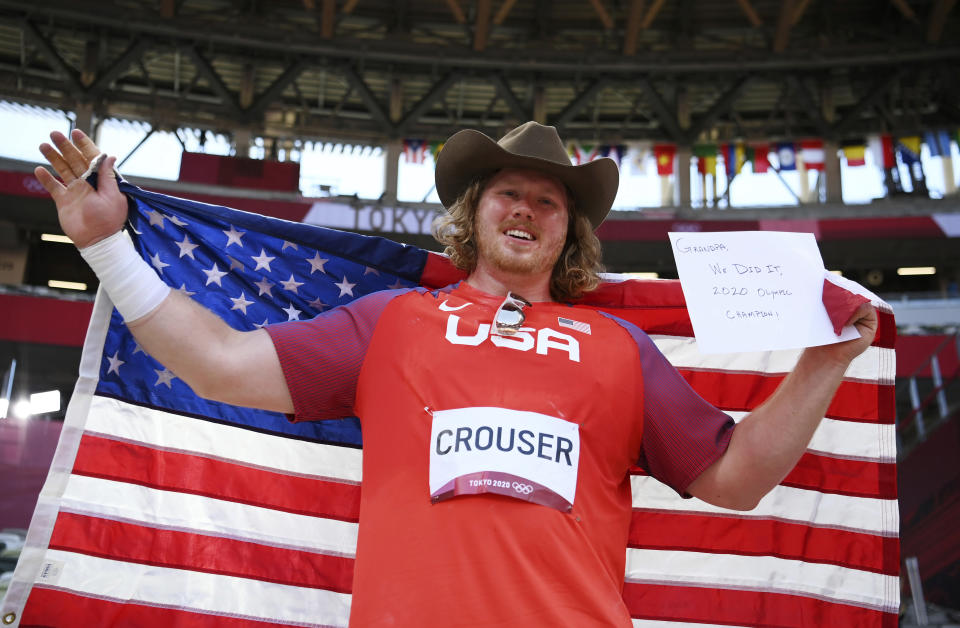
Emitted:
pixel 520 234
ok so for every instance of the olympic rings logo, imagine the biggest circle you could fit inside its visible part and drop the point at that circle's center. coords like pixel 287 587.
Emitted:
pixel 523 489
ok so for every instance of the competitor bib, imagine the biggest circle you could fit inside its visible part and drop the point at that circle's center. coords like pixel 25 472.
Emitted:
pixel 526 455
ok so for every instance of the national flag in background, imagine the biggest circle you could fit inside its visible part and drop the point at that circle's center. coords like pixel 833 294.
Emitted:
pixel 855 152
pixel 638 154
pixel 938 142
pixel 908 147
pixel 435 148
pixel 706 155
pixel 734 157
pixel 786 156
pixel 582 153
pixel 613 151
pixel 881 148
pixel 414 151
pixel 812 153
pixel 665 155
pixel 758 154
pixel 167 509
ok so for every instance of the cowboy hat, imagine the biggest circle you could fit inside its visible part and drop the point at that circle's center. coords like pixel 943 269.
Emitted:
pixel 470 154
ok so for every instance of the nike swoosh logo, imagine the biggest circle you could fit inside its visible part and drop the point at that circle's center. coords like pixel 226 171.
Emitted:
pixel 450 308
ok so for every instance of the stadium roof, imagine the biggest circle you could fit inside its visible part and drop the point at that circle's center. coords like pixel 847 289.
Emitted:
pixel 601 70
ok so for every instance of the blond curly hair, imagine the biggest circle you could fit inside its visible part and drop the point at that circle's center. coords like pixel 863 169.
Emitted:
pixel 576 271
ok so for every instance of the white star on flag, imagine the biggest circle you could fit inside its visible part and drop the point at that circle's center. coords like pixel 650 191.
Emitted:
pixel 213 275
pixel 368 270
pixel 186 247
pixel 291 284
pixel 156 218
pixel 115 364
pixel 235 263
pixel 345 287
pixel 286 244
pixel 316 263
pixel 264 287
pixel 262 325
pixel 157 263
pixel 176 220
pixel 241 303
pixel 233 237
pixel 396 285
pixel 183 289
pixel 317 304
pixel 263 260
pixel 293 314
pixel 164 377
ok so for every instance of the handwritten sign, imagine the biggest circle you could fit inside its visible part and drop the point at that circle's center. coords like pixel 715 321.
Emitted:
pixel 754 290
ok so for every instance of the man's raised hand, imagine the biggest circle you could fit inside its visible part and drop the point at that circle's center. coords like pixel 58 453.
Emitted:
pixel 865 319
pixel 86 215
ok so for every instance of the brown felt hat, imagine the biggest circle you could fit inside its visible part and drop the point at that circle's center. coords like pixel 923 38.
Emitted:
pixel 470 154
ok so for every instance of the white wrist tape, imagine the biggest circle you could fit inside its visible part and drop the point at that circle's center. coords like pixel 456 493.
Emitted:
pixel 129 281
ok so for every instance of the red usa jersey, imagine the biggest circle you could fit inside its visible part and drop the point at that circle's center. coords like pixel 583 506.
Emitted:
pixel 496 468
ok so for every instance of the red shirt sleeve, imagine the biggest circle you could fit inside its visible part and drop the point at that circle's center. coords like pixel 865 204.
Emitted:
pixel 682 433
pixel 321 357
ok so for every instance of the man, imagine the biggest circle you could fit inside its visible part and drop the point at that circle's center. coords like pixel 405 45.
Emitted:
pixel 499 422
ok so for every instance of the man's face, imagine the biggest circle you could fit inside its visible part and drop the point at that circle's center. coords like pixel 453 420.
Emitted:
pixel 521 222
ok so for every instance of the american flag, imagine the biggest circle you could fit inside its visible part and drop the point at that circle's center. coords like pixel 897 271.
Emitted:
pixel 162 508
pixel 414 151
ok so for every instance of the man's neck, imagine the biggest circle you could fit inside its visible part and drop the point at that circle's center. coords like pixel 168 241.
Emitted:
pixel 532 287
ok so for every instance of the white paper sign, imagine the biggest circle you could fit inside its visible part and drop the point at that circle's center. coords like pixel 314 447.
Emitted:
pixel 754 290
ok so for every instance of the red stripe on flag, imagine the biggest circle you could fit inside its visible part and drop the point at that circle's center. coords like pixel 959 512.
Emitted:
pixel 856 478
pixel 730 534
pixel 745 608
pixel 135 543
pixel 643 294
pixel 188 473
pixel 50 607
pixel 886 330
pixel 439 272
pixel 854 401
pixel 667 321
pixel 837 476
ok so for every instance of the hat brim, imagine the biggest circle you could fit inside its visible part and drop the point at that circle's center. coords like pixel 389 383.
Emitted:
pixel 470 154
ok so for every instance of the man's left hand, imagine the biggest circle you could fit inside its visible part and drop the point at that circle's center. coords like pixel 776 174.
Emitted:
pixel 865 320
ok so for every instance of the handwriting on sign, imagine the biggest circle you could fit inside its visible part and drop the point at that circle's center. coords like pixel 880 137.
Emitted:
pixel 748 280
pixel 746 289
